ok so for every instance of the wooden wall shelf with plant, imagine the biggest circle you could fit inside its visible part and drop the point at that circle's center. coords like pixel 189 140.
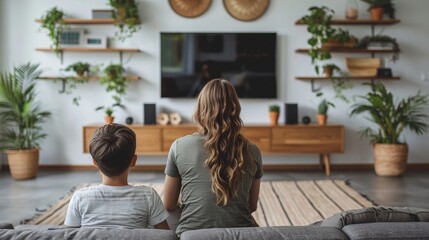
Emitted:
pixel 91 78
pixel 82 21
pixel 358 22
pixel 123 50
pixel 351 50
pixel 309 78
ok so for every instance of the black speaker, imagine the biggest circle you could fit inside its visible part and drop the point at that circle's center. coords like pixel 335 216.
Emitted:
pixel 291 113
pixel 149 113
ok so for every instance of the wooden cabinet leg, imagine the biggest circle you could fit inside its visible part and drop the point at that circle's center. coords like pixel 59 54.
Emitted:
pixel 327 162
pixel 321 161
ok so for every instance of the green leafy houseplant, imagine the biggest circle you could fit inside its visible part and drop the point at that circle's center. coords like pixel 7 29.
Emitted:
pixel 21 115
pixel 53 22
pixel 126 14
pixel 381 40
pixel 387 5
pixel 82 71
pixel 80 68
pixel 390 118
pixel 324 106
pixel 274 108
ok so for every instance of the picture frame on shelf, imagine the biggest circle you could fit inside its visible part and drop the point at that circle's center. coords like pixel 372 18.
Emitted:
pixel 70 38
pixel 95 41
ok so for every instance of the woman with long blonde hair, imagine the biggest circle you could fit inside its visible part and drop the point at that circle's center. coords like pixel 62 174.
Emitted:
pixel 216 171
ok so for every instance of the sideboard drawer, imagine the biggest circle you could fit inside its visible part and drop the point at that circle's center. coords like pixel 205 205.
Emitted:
pixel 260 136
pixel 308 139
pixel 172 133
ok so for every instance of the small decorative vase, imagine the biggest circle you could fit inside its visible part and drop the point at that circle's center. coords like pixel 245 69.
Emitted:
pixel 108 119
pixel 274 118
pixel 322 119
pixel 377 13
pixel 352 10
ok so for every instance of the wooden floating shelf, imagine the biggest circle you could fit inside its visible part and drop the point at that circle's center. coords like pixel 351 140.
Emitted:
pixel 127 50
pixel 348 78
pixel 86 21
pixel 359 22
pixel 350 50
pixel 92 78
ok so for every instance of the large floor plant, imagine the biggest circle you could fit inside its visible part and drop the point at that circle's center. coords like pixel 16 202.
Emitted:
pixel 391 119
pixel 21 117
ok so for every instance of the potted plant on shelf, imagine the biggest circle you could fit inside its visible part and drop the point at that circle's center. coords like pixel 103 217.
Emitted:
pixel 390 119
pixel 82 71
pixel 53 22
pixel 21 117
pixel 330 69
pixel 126 15
pixel 108 111
pixel 274 111
pixel 378 8
pixel 80 68
pixel 322 113
pixel 381 42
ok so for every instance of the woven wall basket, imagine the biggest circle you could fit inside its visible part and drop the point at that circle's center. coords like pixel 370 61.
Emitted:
pixel 246 10
pixel 390 160
pixel 190 8
pixel 23 164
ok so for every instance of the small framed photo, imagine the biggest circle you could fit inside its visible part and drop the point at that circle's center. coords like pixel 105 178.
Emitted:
pixel 93 41
pixel 72 38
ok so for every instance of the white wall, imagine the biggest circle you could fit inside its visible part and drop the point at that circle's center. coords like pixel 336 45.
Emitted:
pixel 64 144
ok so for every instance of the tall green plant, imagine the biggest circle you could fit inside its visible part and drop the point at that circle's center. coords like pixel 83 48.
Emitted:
pixel 391 119
pixel 21 114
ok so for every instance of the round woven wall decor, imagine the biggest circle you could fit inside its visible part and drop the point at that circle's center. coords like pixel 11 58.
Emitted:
pixel 190 8
pixel 246 10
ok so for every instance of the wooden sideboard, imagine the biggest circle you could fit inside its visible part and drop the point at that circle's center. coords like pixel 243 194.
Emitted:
pixel 157 139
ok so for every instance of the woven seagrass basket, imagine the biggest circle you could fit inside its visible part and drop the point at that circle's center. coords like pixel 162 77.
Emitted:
pixel 23 164
pixel 390 160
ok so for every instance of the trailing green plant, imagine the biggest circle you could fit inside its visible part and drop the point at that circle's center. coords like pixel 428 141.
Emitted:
pixel 21 114
pixel 274 108
pixel 319 26
pixel 387 5
pixel 365 41
pixel 324 106
pixel 126 15
pixel 82 71
pixel 114 80
pixel 53 22
pixel 391 118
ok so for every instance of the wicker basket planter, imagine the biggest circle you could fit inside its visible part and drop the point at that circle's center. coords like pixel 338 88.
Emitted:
pixel 390 159
pixel 23 164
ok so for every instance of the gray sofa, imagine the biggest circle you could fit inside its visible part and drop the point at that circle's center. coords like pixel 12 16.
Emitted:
pixel 365 223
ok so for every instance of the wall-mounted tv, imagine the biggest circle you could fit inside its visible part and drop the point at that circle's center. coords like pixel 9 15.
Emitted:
pixel 190 60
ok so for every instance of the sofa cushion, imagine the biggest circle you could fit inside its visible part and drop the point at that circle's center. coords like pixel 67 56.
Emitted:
pixel 385 230
pixel 6 226
pixel 48 232
pixel 377 214
pixel 264 233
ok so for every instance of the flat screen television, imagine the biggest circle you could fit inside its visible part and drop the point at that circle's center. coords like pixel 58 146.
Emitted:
pixel 190 60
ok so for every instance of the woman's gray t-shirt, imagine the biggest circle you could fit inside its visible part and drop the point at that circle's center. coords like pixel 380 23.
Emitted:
pixel 199 210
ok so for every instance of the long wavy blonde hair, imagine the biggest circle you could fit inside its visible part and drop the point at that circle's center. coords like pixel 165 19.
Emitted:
pixel 218 115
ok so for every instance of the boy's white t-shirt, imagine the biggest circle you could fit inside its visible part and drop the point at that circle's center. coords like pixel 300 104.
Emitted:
pixel 115 207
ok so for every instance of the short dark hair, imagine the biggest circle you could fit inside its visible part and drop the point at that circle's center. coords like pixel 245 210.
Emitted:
pixel 112 147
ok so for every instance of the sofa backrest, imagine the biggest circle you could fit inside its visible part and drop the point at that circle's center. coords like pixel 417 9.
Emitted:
pixel 45 232
pixel 265 233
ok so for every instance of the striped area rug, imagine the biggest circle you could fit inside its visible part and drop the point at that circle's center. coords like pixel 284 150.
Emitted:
pixel 281 203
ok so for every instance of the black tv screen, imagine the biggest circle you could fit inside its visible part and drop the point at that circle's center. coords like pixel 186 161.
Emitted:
pixel 190 60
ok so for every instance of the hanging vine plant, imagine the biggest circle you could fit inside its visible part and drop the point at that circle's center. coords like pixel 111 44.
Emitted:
pixel 54 23
pixel 126 15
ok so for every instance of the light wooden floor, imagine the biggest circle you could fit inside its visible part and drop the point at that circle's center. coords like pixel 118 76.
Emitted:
pixel 20 199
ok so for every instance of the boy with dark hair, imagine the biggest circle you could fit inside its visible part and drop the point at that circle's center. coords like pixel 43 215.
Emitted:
pixel 114 203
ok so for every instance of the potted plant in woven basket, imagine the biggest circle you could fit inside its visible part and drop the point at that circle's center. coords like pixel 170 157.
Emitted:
pixel 21 117
pixel 390 152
